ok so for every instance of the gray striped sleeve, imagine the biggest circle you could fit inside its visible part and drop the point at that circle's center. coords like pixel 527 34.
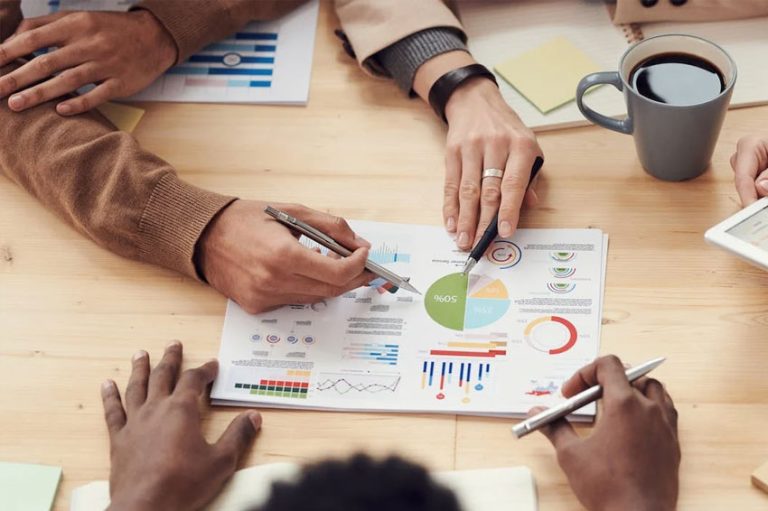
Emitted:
pixel 403 58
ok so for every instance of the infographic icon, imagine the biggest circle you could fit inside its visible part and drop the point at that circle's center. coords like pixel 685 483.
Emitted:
pixel 551 334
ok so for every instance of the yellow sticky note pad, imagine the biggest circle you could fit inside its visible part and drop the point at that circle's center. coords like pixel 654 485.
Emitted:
pixel 124 117
pixel 548 75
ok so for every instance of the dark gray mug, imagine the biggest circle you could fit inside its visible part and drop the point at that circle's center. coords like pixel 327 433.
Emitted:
pixel 673 142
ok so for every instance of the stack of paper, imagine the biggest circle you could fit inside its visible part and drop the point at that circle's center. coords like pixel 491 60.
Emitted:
pixel 25 487
pixel 495 343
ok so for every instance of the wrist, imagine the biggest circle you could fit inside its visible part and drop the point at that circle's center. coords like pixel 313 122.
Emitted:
pixel 164 45
pixel 205 246
pixel 471 94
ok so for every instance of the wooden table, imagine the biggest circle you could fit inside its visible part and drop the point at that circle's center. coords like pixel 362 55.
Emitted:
pixel 72 314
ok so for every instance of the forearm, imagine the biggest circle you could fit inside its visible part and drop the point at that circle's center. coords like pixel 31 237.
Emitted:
pixel 103 184
pixel 194 24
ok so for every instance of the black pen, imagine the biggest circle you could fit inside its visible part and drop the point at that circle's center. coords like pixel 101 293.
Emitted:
pixel 493 228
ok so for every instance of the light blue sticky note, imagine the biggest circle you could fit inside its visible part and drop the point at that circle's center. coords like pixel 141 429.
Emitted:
pixel 26 487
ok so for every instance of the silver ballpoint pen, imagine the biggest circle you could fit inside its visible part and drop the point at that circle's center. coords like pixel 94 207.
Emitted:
pixel 333 245
pixel 579 400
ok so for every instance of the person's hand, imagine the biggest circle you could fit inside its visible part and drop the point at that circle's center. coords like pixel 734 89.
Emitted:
pixel 121 52
pixel 750 167
pixel 485 133
pixel 631 459
pixel 249 257
pixel 159 457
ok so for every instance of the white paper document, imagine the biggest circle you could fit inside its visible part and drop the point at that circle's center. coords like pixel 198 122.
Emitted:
pixel 264 62
pixel 495 343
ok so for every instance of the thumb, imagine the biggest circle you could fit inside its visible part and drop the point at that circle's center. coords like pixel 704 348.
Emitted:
pixel 336 227
pixel 762 184
pixel 238 437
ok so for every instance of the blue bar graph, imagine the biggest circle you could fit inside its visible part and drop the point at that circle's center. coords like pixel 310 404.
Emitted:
pixel 241 47
pixel 219 59
pixel 256 36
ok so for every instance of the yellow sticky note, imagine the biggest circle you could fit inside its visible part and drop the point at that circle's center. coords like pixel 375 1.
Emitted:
pixel 547 76
pixel 124 117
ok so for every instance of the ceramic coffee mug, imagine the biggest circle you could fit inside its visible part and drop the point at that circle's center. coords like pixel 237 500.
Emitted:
pixel 674 142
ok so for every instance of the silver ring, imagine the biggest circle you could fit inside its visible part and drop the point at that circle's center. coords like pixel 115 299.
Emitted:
pixel 493 173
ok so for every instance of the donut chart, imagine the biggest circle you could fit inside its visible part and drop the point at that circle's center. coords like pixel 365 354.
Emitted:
pixel 551 334
pixel 459 302
pixel 504 253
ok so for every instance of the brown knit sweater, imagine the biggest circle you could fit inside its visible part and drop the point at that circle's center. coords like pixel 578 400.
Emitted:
pixel 98 179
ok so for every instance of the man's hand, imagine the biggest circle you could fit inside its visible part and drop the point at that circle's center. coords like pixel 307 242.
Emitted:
pixel 631 459
pixel 159 457
pixel 483 133
pixel 121 53
pixel 259 263
pixel 750 167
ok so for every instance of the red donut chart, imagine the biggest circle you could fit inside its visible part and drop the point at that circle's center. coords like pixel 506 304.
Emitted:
pixel 568 340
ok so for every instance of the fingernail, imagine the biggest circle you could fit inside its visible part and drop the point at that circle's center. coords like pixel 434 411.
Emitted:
pixel 463 239
pixel 255 418
pixel 173 344
pixel 16 102
pixel 763 185
pixel 505 229
pixel 362 241
pixel 450 224
pixel 64 109
pixel 139 354
pixel 106 387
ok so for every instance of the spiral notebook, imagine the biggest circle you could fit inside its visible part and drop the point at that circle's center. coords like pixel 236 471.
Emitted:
pixel 499 31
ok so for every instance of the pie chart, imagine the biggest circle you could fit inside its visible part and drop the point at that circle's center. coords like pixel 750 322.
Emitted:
pixel 551 334
pixel 459 302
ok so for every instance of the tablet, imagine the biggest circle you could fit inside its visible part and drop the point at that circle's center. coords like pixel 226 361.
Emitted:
pixel 745 234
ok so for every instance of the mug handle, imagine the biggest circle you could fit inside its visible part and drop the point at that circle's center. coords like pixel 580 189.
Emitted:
pixel 589 81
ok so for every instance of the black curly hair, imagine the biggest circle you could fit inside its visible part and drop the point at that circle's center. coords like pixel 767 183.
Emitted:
pixel 362 483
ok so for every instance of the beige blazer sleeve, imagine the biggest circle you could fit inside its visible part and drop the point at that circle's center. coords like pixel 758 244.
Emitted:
pixel 633 11
pixel 372 25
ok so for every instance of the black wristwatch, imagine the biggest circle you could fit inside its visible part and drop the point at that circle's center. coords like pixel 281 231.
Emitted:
pixel 444 87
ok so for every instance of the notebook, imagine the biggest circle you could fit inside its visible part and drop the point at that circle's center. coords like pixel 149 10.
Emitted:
pixel 26 487
pixel 499 31
pixel 477 490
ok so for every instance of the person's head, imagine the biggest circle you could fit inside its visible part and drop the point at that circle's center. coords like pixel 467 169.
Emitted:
pixel 361 483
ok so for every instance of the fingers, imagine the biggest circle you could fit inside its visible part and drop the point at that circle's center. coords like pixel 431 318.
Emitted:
pixel 114 414
pixel 238 437
pixel 136 391
pixel 451 188
pixel 750 159
pixel 334 226
pixel 560 434
pixel 97 96
pixel 513 188
pixel 195 381
pixel 490 188
pixel 654 390
pixel 745 170
pixel 469 195
pixel 321 268
pixel 163 378
pixel 606 371
pixel 28 42
pixel 64 83
pixel 762 184
pixel 32 23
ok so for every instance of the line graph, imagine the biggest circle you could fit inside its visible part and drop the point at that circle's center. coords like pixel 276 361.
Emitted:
pixel 372 384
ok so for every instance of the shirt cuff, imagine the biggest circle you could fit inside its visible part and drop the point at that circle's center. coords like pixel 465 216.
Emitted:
pixel 175 217
pixel 402 59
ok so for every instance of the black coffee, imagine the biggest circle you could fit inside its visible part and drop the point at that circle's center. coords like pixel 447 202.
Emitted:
pixel 677 79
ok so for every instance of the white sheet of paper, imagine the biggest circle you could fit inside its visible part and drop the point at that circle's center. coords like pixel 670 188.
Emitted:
pixel 529 318
pixel 264 62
